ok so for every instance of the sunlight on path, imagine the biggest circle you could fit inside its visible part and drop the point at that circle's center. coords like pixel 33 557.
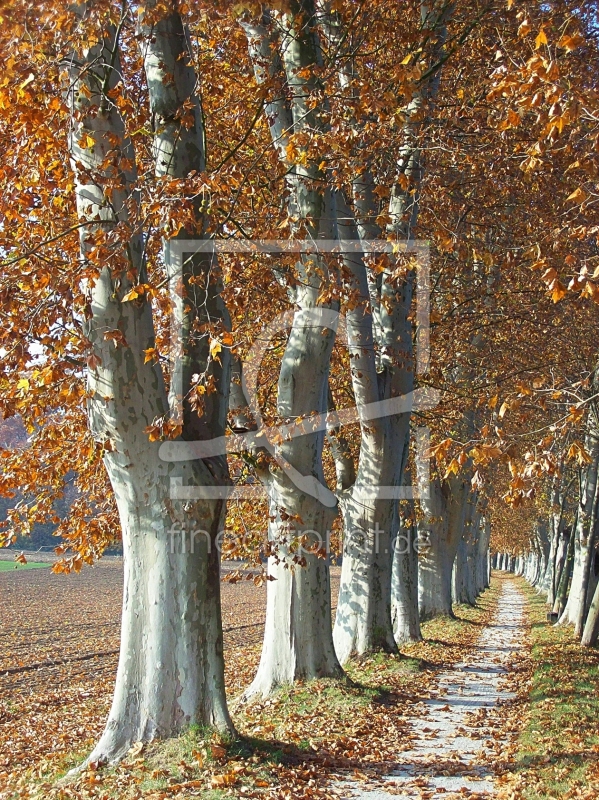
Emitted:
pixel 448 754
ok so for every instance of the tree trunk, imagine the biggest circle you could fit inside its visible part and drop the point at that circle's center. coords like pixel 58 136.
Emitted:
pixel 549 577
pixel 465 562
pixel 575 611
pixel 440 530
pixel 561 552
pixel 483 559
pixel 559 542
pixel 458 573
pixel 171 625
pixel 570 612
pixel 591 628
pixel 171 621
pixel 363 620
pixel 404 586
pixel 543 545
pixel 588 577
pixel 298 641
pixel 561 596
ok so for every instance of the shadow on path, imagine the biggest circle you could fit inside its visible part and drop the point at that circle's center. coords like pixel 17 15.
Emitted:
pixel 448 752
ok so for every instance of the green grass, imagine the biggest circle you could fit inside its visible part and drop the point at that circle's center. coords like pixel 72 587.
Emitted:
pixel 559 745
pixel 181 759
pixel 5 566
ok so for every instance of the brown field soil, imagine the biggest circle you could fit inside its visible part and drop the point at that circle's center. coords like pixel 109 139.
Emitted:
pixel 58 659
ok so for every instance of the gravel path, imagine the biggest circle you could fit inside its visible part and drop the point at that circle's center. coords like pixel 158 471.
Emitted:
pixel 448 753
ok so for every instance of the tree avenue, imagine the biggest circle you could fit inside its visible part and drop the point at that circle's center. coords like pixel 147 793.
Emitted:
pixel 141 145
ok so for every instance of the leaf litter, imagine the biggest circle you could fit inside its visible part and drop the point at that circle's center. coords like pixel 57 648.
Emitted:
pixel 295 745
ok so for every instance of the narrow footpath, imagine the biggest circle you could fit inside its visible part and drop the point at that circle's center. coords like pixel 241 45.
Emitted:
pixel 450 744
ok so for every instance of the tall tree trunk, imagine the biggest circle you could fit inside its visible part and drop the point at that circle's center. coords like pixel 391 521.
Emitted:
pixel 588 577
pixel 364 621
pixel 591 627
pixel 559 542
pixel 560 560
pixel 561 596
pixel 459 591
pixel 298 642
pixel 575 610
pixel 178 148
pixel 465 562
pixel 543 549
pixel 549 577
pixel 482 556
pixel 441 527
pixel 171 624
pixel 404 579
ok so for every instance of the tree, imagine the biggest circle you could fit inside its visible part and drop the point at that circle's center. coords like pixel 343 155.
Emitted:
pixel 171 623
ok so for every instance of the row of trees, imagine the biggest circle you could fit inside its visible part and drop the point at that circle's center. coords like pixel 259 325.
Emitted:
pixel 561 558
pixel 131 130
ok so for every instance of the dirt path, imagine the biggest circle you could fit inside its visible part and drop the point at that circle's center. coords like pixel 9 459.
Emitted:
pixel 450 753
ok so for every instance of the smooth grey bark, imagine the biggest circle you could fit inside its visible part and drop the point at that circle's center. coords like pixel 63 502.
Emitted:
pixel 298 642
pixel 575 610
pixel 363 620
pixel 178 147
pixel 171 603
pixel 465 566
pixel 404 588
pixel 570 610
pixel 559 541
pixel 365 624
pixel 404 577
pixel 544 552
pixel 435 560
pixel 561 551
pixel 561 596
pixel 369 587
pixel 459 586
pixel 590 631
pixel 588 553
pixel 548 580
pixel 442 526
pixel 483 556
pixel 518 569
pixel 534 563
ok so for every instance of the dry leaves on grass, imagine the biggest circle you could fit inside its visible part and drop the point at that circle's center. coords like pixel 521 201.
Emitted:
pixel 549 735
pixel 290 746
